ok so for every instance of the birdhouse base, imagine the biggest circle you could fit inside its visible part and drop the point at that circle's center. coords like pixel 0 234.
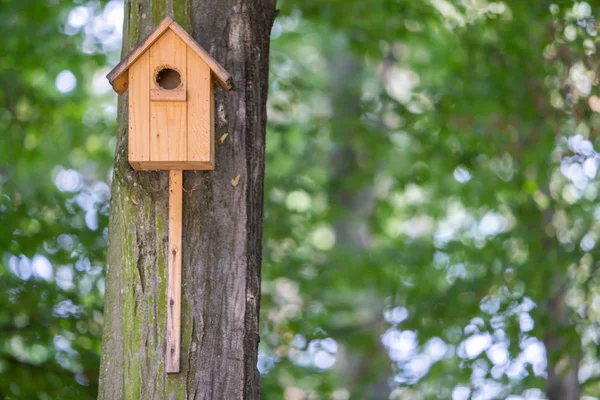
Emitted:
pixel 171 165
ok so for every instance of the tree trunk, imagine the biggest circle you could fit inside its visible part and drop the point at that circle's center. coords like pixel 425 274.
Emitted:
pixel 563 357
pixel 365 373
pixel 222 226
pixel 560 338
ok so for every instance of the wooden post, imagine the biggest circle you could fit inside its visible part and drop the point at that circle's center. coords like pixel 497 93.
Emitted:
pixel 174 274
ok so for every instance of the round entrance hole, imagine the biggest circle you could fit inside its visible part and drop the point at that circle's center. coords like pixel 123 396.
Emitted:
pixel 168 78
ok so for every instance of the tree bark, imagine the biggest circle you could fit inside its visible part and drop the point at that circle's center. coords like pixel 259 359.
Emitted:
pixel 222 226
pixel 366 374
pixel 563 357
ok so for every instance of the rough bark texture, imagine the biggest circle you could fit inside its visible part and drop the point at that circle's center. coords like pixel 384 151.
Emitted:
pixel 222 226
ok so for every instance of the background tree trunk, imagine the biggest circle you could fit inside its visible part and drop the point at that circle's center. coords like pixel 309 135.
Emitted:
pixel 365 373
pixel 222 226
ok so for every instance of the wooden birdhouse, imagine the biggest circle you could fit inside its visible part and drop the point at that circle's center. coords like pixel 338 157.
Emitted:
pixel 171 127
pixel 171 103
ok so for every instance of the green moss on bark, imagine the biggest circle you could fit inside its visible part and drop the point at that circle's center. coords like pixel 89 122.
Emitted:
pixel 224 363
pixel 147 208
pixel 180 14
pixel 161 268
pixel 134 26
pixel 159 11
pixel 132 330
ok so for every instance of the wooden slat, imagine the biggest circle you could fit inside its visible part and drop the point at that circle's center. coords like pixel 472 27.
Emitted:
pixel 169 51
pixel 212 125
pixel 168 95
pixel 116 77
pixel 167 131
pixel 121 83
pixel 139 111
pixel 173 355
pixel 170 165
pixel 221 75
pixel 168 119
pixel 199 139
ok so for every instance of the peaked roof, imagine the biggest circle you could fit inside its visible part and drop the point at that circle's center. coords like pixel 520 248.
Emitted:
pixel 118 77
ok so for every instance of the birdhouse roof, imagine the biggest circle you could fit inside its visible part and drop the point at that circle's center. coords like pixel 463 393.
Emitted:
pixel 119 78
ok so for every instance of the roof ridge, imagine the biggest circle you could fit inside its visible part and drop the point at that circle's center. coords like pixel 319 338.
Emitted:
pixel 119 80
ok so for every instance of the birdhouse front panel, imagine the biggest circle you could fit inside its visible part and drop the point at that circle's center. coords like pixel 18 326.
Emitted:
pixel 171 108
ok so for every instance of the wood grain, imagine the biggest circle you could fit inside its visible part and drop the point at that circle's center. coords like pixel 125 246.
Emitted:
pixel 169 165
pixel 221 75
pixel 168 120
pixel 119 79
pixel 115 77
pixel 121 83
pixel 173 350
pixel 167 131
pixel 200 129
pixel 168 95
pixel 169 51
pixel 139 111
pixel 212 125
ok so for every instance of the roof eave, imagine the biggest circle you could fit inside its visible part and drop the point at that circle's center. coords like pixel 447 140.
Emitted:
pixel 118 77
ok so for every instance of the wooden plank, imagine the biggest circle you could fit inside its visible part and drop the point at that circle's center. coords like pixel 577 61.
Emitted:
pixel 173 355
pixel 121 83
pixel 167 131
pixel 168 123
pixel 199 140
pixel 221 75
pixel 168 95
pixel 169 165
pixel 212 126
pixel 117 77
pixel 139 111
pixel 169 51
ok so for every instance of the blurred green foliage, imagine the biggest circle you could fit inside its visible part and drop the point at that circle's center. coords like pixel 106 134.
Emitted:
pixel 431 190
pixel 55 153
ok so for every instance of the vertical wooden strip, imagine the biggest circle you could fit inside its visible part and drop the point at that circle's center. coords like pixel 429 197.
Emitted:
pixel 199 108
pixel 211 131
pixel 168 51
pixel 174 274
pixel 168 119
pixel 139 111
pixel 168 131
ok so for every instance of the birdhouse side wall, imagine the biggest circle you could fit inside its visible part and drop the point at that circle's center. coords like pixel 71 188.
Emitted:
pixel 200 140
